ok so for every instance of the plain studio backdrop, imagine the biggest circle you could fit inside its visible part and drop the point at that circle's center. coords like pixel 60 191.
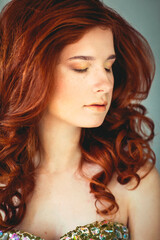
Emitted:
pixel 144 16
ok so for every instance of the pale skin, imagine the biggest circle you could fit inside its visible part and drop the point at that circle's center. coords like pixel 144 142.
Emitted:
pixel 61 199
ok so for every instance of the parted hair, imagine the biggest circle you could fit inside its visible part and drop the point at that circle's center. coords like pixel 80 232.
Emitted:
pixel 32 36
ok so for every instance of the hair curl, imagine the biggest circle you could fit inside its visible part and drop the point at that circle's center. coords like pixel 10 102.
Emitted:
pixel 32 36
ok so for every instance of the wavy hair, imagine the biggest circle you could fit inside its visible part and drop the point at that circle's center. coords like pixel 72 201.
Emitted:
pixel 32 36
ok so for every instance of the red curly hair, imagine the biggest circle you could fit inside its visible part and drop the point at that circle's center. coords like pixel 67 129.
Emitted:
pixel 32 36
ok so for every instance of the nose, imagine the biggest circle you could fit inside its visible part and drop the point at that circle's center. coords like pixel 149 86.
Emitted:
pixel 103 82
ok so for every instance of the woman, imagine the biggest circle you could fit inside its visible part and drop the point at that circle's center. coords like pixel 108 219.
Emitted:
pixel 74 146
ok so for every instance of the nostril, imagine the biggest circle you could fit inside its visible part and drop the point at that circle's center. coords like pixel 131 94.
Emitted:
pixel 100 90
pixel 104 87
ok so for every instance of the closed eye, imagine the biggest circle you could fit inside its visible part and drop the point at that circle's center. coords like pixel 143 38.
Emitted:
pixel 81 70
pixel 109 70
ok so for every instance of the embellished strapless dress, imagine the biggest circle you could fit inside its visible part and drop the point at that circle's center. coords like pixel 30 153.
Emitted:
pixel 103 230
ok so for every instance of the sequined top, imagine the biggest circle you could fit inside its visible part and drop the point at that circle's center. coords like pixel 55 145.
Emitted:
pixel 103 230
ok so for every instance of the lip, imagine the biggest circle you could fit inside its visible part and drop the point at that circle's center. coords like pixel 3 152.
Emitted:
pixel 97 107
pixel 97 104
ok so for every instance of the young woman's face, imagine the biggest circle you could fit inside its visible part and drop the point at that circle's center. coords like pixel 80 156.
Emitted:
pixel 84 80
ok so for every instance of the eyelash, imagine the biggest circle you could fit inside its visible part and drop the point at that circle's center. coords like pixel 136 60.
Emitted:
pixel 108 70
pixel 85 70
pixel 81 70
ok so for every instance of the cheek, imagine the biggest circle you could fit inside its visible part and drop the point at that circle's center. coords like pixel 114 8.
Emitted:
pixel 69 88
pixel 61 87
pixel 60 90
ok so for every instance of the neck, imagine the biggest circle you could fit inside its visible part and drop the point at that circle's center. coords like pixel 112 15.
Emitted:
pixel 60 145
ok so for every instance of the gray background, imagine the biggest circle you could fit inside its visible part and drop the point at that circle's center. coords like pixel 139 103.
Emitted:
pixel 144 16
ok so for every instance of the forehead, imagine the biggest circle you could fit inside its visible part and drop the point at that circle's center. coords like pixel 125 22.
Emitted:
pixel 95 42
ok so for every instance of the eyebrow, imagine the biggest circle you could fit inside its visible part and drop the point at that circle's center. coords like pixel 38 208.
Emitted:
pixel 111 57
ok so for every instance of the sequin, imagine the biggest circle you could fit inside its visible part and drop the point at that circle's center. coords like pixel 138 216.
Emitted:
pixel 75 237
pixel 119 234
pixel 14 236
pixel 84 230
pixel 103 230
pixel 95 230
pixel 125 229
pixel 102 237
pixel 125 236
pixel 103 222
pixel 108 231
pixel 4 236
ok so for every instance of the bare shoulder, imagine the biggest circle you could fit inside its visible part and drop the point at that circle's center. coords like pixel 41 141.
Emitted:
pixel 144 206
pixel 148 184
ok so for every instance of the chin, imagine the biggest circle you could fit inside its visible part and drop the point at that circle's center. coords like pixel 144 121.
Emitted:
pixel 93 125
